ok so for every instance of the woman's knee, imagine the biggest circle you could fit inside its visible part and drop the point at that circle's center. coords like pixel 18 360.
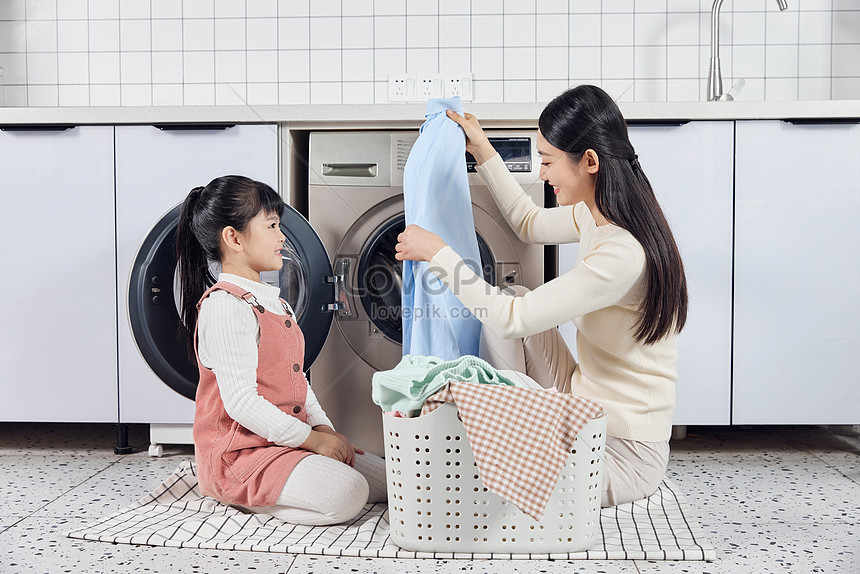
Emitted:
pixel 516 290
pixel 632 470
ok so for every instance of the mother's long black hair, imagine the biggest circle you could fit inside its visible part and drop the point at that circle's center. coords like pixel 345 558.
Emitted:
pixel 583 118
pixel 228 201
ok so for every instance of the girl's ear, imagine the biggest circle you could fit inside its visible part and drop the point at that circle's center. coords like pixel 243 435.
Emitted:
pixel 230 240
pixel 592 162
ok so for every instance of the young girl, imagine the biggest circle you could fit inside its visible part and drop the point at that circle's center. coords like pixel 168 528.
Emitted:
pixel 627 294
pixel 262 441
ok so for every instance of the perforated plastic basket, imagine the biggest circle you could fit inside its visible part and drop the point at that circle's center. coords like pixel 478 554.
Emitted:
pixel 437 502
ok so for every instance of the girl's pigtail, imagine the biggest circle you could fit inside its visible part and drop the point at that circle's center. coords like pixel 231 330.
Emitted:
pixel 194 275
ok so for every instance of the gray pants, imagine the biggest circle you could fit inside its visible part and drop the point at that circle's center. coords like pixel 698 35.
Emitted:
pixel 632 470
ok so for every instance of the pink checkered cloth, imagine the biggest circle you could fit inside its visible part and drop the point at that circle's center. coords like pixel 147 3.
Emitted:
pixel 520 437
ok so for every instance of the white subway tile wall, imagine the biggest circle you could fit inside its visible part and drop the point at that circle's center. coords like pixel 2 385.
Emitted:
pixel 264 52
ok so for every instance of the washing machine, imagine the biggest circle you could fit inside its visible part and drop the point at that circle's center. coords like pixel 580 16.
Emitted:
pixel 156 167
pixel 355 204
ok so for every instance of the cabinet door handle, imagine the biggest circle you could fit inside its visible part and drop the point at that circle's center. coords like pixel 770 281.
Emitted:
pixel 36 127
pixel 192 127
pixel 820 121
pixel 658 122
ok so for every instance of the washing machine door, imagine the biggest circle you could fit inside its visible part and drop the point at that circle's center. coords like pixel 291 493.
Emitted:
pixel 153 294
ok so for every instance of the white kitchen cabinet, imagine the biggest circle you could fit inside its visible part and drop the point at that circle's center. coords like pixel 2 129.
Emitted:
pixel 690 169
pixel 797 274
pixel 58 339
pixel 155 170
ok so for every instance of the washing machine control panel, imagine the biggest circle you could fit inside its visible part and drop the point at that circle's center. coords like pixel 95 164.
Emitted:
pixel 516 152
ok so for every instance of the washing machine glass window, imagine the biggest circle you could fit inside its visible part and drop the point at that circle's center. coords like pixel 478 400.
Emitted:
pixel 152 310
pixel 154 296
pixel 214 271
pixel 380 277
pixel 292 279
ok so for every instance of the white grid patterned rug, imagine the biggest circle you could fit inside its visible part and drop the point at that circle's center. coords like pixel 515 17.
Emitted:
pixel 176 515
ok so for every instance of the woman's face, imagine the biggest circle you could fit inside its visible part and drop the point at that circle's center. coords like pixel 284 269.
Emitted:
pixel 571 181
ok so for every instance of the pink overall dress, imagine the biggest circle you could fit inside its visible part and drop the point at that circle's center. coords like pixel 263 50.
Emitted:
pixel 235 465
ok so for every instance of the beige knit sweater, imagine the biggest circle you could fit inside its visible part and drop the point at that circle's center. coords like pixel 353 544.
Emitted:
pixel 634 382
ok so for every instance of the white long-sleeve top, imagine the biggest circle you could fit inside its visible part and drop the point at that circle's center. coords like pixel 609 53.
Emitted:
pixel 227 337
pixel 601 295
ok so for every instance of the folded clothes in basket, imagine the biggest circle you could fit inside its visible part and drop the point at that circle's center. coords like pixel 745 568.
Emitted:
pixel 520 437
pixel 405 387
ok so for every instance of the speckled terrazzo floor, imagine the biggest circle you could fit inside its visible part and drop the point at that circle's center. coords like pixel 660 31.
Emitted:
pixel 770 499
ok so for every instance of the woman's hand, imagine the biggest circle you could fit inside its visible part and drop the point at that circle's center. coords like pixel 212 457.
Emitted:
pixel 417 244
pixel 477 142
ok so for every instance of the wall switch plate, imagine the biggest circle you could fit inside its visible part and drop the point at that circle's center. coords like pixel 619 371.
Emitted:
pixel 427 87
pixel 401 88
pixel 459 85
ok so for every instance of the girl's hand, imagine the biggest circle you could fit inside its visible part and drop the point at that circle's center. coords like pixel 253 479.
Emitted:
pixel 353 449
pixel 331 444
pixel 477 142
pixel 417 244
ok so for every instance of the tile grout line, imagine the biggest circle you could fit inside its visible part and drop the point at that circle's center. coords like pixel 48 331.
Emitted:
pixel 292 562
pixel 808 451
pixel 62 494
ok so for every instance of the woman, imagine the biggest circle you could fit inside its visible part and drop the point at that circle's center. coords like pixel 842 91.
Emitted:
pixel 626 294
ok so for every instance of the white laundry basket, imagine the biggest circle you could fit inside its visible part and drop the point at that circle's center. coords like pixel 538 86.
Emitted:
pixel 437 502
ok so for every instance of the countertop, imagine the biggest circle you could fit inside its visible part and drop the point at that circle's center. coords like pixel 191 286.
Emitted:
pixel 512 115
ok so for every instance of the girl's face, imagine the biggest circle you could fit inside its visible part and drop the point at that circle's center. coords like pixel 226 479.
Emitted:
pixel 261 244
pixel 571 181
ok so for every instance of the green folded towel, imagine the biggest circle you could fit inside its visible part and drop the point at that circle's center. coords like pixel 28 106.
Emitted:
pixel 405 387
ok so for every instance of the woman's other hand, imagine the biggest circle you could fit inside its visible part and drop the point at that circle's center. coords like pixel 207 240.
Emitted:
pixel 417 244
pixel 477 143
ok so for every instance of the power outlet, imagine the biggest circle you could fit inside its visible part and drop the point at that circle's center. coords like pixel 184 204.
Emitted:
pixel 459 85
pixel 428 87
pixel 401 88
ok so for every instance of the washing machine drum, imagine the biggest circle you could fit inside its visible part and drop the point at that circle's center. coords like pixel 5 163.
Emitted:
pixel 153 296
pixel 380 277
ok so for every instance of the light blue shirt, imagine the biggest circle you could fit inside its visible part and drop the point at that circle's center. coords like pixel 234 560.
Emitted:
pixel 436 196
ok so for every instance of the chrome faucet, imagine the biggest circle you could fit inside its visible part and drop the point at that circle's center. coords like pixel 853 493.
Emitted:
pixel 715 76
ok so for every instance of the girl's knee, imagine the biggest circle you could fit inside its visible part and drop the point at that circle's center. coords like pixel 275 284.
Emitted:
pixel 350 499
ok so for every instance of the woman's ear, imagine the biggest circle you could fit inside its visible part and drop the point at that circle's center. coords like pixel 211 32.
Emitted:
pixel 591 161
pixel 230 240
